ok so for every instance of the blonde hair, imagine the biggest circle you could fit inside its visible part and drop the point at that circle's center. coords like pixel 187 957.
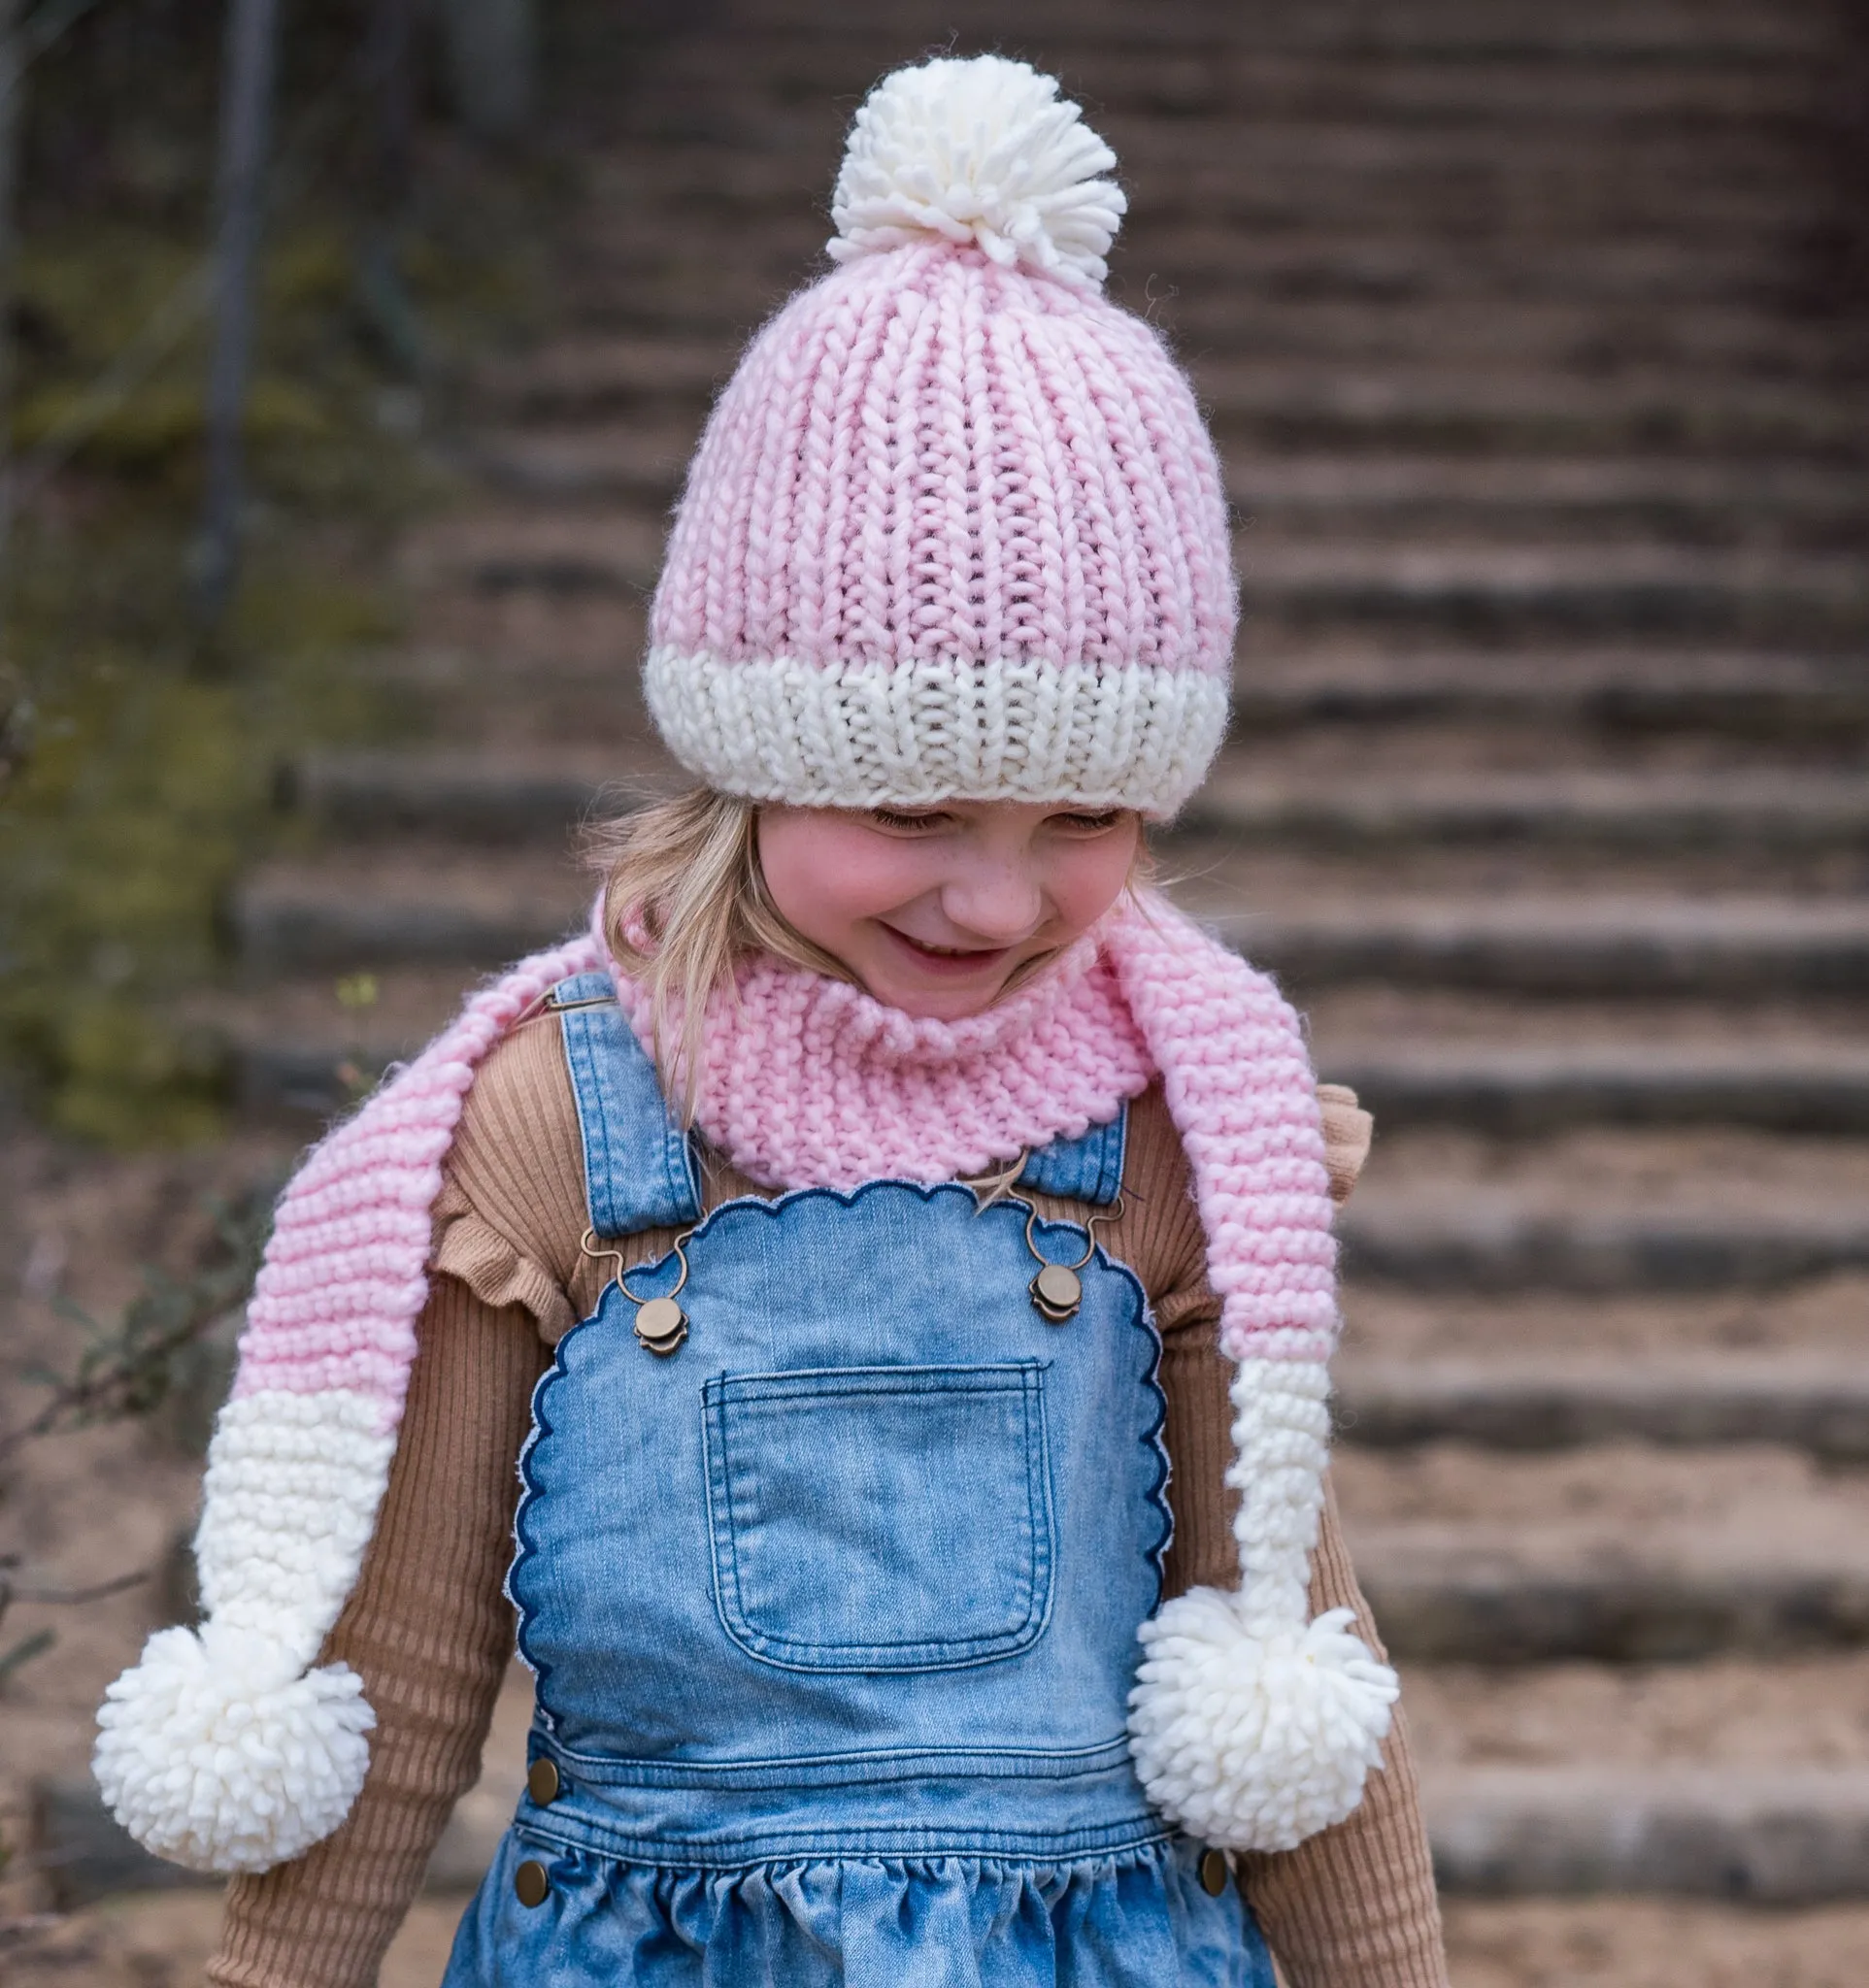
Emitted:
pixel 686 901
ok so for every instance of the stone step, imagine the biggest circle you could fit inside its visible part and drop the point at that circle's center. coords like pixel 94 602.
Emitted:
pixel 1507 1092
pixel 545 669
pixel 1284 404
pixel 1819 1404
pixel 503 795
pixel 1224 158
pixel 514 795
pixel 1758 810
pixel 85 1855
pixel 1772 1838
pixel 1659 269
pixel 415 907
pixel 1616 690
pixel 1235 229
pixel 313 1057
pixel 1740 1713
pixel 1647 27
pixel 554 552
pixel 1517 498
pixel 635 460
pixel 1471 592
pixel 720 180
pixel 1562 945
pixel 1560 336
pixel 773 31
pixel 1504 1240
pixel 1445 183
pixel 1500 93
pixel 1769 1836
pixel 1416 497
pixel 595 372
pixel 716 288
pixel 587 377
pixel 1609 1594
pixel 1409 409
pixel 1519 1090
pixel 438 905
pixel 310 1046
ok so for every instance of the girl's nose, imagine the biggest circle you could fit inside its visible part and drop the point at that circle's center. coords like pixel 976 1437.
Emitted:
pixel 999 905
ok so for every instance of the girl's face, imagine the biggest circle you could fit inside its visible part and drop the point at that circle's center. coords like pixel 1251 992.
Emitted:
pixel 934 910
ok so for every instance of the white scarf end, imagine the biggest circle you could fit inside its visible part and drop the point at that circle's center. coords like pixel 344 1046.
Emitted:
pixel 216 1751
pixel 1251 1735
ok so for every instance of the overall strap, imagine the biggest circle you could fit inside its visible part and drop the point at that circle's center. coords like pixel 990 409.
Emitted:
pixel 1086 1169
pixel 639 1172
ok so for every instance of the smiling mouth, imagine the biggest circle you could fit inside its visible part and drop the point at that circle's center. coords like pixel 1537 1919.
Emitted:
pixel 957 959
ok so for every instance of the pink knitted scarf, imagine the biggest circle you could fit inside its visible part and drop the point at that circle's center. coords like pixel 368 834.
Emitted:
pixel 807 1082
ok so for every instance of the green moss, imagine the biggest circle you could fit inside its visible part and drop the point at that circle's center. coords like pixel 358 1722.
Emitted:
pixel 148 766
pixel 137 752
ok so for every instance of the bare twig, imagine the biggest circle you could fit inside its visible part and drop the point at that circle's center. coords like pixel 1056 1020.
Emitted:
pixel 72 1598
pixel 28 1926
pixel 128 1370
pixel 24 1650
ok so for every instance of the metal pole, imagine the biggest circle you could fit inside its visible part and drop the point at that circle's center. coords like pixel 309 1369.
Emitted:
pixel 11 85
pixel 245 116
pixel 391 87
pixel 492 63
pixel 383 293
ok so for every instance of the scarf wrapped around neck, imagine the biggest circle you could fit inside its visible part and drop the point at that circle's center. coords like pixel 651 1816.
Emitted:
pixel 229 1747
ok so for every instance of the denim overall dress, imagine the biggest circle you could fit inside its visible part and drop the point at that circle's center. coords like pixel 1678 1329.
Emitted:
pixel 832 1607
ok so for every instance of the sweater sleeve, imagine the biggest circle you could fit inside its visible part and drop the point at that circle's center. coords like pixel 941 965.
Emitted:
pixel 430 1634
pixel 1353 1907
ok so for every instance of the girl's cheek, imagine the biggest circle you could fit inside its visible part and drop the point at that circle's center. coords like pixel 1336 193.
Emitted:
pixel 1088 878
pixel 825 877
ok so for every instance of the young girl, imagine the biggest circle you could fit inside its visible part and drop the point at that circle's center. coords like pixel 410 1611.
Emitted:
pixel 864 1242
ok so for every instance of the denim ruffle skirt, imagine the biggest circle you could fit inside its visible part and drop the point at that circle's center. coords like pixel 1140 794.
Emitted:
pixel 1137 1921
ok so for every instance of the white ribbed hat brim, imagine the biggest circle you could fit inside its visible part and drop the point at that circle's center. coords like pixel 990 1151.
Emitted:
pixel 867 735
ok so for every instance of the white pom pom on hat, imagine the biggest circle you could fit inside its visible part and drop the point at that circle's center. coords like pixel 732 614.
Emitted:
pixel 983 152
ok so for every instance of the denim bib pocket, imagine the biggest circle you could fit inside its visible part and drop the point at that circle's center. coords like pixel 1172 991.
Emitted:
pixel 881 1518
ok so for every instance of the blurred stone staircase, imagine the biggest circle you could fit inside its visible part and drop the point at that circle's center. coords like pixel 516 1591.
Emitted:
pixel 1545 419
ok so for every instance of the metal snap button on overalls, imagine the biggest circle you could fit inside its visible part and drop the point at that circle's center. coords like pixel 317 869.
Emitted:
pixel 530 1884
pixel 661 1325
pixel 542 1782
pixel 1212 1872
pixel 1057 1290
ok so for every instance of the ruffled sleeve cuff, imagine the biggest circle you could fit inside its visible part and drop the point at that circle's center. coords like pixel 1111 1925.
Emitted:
pixel 471 1251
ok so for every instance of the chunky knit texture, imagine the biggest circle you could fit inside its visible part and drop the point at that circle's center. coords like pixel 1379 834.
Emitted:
pixel 225 1751
pixel 808 1081
pixel 955 528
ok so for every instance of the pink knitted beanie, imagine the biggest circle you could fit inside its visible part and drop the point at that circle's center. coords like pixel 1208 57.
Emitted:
pixel 955 528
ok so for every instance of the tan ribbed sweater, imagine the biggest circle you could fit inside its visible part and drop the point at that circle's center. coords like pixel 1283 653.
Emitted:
pixel 431 1633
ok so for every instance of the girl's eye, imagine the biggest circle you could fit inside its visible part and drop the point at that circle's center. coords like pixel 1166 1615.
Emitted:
pixel 1088 824
pixel 891 817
